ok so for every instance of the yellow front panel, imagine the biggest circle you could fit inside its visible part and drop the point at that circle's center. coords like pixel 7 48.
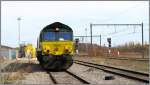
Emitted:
pixel 57 48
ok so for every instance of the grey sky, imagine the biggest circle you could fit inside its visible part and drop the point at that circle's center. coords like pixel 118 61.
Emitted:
pixel 76 14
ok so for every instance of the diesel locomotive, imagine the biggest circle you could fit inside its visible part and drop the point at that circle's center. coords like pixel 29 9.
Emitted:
pixel 55 47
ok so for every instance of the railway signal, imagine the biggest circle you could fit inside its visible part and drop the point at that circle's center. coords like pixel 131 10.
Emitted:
pixel 109 42
pixel 77 45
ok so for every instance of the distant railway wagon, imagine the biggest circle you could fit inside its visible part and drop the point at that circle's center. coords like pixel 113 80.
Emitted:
pixel 30 51
pixel 55 47
pixel 27 51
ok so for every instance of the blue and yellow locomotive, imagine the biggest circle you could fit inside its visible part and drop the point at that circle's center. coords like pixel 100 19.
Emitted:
pixel 55 47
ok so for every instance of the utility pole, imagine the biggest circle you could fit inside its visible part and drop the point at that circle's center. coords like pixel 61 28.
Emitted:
pixel 19 24
pixel 91 33
pixel 100 40
pixel 142 35
pixel 86 40
pixel 0 32
pixel 142 41
pixel 86 33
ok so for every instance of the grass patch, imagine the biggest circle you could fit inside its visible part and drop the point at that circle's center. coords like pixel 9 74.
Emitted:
pixel 9 78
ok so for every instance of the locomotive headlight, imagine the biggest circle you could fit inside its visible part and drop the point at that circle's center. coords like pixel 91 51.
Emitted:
pixel 67 49
pixel 57 29
pixel 44 50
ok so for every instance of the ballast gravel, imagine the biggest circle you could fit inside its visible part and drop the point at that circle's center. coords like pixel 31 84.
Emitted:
pixel 99 76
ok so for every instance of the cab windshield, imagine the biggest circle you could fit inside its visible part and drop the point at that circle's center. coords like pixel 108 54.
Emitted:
pixel 57 36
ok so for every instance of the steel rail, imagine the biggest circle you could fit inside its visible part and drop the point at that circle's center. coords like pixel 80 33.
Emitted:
pixel 77 77
pixel 54 80
pixel 122 72
pixel 114 68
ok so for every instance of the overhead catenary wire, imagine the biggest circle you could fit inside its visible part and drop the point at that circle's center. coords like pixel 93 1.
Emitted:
pixel 116 31
pixel 111 33
pixel 121 13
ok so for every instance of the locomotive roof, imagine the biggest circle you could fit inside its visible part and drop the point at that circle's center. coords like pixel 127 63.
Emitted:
pixel 52 27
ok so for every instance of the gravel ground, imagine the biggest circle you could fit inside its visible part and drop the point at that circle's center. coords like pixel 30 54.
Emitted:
pixel 5 76
pixel 5 63
pixel 36 78
pixel 25 73
pixel 141 66
pixel 98 76
pixel 35 75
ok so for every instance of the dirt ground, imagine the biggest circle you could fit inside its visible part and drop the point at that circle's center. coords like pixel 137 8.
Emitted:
pixel 130 64
pixel 21 72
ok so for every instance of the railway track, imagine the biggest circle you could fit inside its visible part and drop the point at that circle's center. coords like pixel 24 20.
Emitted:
pixel 143 77
pixel 132 59
pixel 66 77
